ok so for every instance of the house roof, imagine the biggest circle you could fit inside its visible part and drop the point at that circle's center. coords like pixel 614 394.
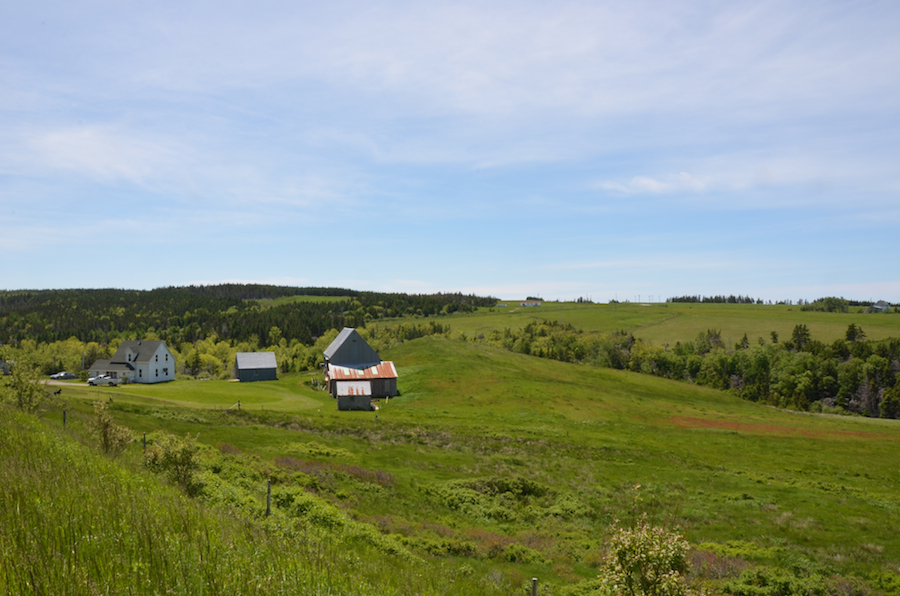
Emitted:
pixel 109 366
pixel 350 349
pixel 382 370
pixel 143 350
pixel 251 360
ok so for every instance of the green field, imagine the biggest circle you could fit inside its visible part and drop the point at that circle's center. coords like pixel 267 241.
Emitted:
pixel 282 300
pixel 813 496
pixel 661 323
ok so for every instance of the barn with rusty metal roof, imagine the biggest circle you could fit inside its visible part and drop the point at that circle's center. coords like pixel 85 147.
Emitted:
pixel 356 374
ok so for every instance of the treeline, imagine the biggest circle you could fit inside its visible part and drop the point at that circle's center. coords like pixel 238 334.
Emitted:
pixel 847 375
pixel 717 299
pixel 828 304
pixel 231 312
pixel 212 357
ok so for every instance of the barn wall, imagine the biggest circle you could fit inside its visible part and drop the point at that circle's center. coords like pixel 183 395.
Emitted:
pixel 248 375
pixel 384 387
pixel 355 402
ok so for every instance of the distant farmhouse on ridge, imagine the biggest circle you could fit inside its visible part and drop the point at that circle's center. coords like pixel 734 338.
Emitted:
pixel 880 306
pixel 138 361
pixel 356 374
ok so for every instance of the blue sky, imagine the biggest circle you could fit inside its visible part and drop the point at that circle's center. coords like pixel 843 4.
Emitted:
pixel 596 149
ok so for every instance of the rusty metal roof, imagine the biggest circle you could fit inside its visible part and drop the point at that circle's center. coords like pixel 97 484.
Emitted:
pixel 383 370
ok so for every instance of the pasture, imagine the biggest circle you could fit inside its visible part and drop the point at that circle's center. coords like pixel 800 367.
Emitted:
pixel 282 300
pixel 661 323
pixel 748 484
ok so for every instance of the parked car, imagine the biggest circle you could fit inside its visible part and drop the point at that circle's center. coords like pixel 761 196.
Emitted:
pixel 62 376
pixel 104 380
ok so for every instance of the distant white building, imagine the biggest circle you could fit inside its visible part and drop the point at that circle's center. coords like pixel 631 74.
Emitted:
pixel 531 303
pixel 880 306
pixel 138 361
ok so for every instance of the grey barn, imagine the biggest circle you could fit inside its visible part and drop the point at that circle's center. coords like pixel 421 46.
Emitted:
pixel 255 366
pixel 356 374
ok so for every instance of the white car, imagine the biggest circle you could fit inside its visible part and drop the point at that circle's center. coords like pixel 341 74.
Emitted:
pixel 104 380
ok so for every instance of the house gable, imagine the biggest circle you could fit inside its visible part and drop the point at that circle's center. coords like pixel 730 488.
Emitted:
pixel 350 349
pixel 149 361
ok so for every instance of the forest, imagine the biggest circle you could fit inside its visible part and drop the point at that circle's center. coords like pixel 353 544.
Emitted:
pixel 230 312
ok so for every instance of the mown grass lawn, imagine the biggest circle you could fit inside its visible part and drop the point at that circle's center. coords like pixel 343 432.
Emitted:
pixel 290 393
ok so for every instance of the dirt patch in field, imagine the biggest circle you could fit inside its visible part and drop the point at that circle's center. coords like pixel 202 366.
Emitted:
pixel 768 429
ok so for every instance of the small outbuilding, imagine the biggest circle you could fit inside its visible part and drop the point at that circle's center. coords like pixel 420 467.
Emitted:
pixel 255 366
pixel 4 367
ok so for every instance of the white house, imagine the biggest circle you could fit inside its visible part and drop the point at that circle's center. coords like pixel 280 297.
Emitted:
pixel 138 361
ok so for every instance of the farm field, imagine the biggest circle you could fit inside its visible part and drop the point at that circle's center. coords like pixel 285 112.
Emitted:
pixel 515 467
pixel 661 323
pixel 282 300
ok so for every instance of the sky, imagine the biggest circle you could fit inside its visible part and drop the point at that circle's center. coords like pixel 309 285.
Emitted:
pixel 606 150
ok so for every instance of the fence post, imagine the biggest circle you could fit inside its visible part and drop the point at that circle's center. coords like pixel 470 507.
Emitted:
pixel 268 497
pixel 533 586
pixel 64 418
pixel 145 442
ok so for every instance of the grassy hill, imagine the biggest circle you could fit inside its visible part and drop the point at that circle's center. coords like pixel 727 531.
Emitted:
pixel 661 323
pixel 494 467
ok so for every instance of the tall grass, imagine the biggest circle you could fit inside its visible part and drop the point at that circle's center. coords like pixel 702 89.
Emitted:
pixel 74 522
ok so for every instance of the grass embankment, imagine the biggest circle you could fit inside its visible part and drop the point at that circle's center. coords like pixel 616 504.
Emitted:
pixel 515 466
pixel 74 522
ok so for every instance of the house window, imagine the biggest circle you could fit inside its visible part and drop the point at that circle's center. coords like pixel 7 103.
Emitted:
pixel 167 357
pixel 157 372
pixel 157 357
pixel 140 372
pixel 165 372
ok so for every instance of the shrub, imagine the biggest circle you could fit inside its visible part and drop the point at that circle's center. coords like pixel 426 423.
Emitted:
pixel 645 560
pixel 22 387
pixel 516 553
pixel 177 459
pixel 113 438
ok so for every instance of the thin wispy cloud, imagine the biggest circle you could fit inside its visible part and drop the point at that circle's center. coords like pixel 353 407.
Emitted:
pixel 102 153
pixel 646 185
